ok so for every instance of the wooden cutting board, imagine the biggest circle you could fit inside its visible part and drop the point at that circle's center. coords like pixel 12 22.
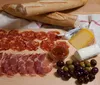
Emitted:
pixel 93 6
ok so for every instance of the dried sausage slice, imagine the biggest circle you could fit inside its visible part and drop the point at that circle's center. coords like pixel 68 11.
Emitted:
pixel 47 45
pixel 41 35
pixel 28 35
pixel 52 35
pixel 32 45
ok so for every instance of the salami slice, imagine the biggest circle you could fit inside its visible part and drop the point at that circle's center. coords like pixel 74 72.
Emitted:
pixel 32 45
pixel 62 44
pixel 14 34
pixel 47 44
pixel 59 53
pixel 4 44
pixel 52 35
pixel 41 35
pixel 28 35
pixel 18 45
pixel 3 33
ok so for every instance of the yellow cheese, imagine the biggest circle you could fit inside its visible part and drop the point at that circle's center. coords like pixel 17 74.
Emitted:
pixel 82 38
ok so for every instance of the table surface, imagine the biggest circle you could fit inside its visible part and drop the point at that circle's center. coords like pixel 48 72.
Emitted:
pixel 93 6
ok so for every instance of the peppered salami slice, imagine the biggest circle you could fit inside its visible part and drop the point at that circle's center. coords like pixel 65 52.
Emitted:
pixel 52 35
pixel 28 35
pixel 59 53
pixel 47 44
pixel 41 35
pixel 3 33
pixel 4 43
pixel 18 45
pixel 62 44
pixel 32 45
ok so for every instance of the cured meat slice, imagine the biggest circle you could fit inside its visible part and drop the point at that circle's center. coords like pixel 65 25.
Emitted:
pixel 3 33
pixel 62 44
pixel 41 35
pixel 18 45
pixel 60 51
pixel 52 35
pixel 14 34
pixel 42 65
pixel 21 64
pixel 47 45
pixel 6 65
pixel 1 70
pixel 4 44
pixel 30 67
pixel 28 35
pixel 14 64
pixel 32 45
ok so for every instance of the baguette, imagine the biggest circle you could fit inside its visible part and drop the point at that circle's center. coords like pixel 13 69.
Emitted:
pixel 57 18
pixel 46 6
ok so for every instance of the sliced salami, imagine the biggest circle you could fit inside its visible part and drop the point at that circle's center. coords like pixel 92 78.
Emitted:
pixel 3 33
pixel 62 44
pixel 32 45
pixel 41 35
pixel 4 44
pixel 52 35
pixel 18 45
pixel 28 35
pixel 47 45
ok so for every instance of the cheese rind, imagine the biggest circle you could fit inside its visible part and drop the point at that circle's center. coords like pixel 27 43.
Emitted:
pixel 82 38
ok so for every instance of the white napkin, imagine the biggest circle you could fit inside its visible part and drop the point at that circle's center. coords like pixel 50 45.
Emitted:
pixel 95 26
pixel 8 21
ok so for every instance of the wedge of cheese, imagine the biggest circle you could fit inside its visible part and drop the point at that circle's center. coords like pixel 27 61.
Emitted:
pixel 82 38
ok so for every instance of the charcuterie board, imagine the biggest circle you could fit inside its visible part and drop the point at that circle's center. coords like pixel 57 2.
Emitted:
pixel 50 78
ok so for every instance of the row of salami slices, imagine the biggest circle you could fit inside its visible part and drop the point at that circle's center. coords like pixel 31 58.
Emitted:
pixel 27 40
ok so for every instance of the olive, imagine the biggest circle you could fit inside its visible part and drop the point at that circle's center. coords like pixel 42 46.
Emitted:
pixel 82 64
pixel 93 62
pixel 65 69
pixel 94 70
pixel 87 63
pixel 91 77
pixel 60 72
pixel 86 79
pixel 71 67
pixel 66 76
pixel 88 69
pixel 69 62
pixel 80 80
pixel 60 64
pixel 76 63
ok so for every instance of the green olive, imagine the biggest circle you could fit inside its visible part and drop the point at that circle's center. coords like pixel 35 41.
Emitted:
pixel 82 64
pixel 88 69
pixel 87 63
pixel 65 68
pixel 69 62
pixel 71 67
